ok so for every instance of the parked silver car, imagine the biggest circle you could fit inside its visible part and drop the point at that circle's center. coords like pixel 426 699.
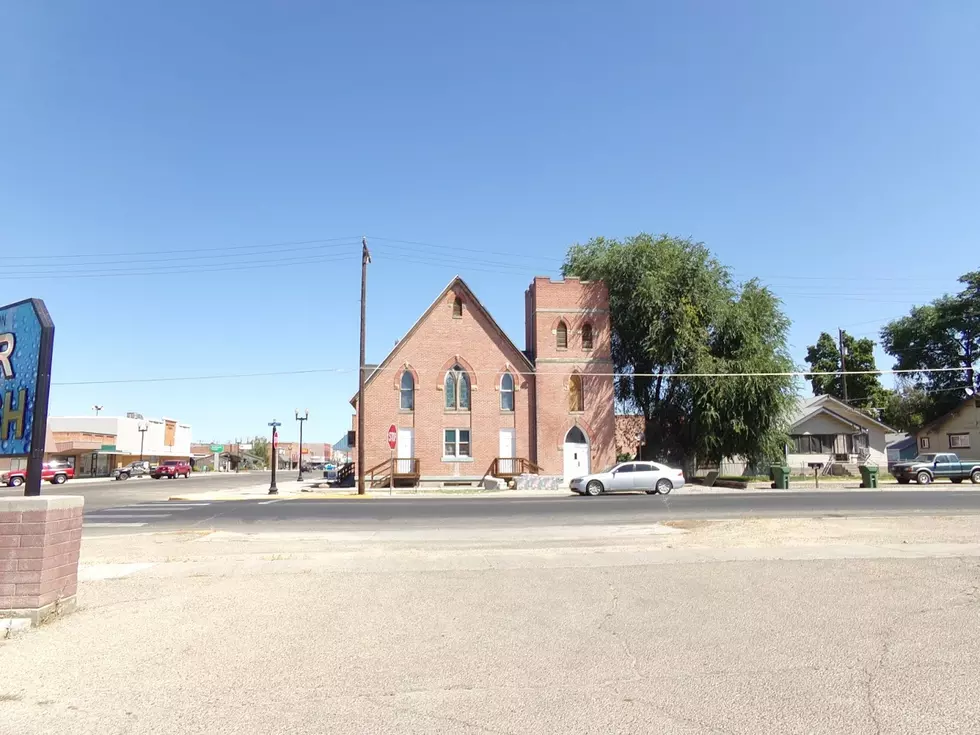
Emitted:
pixel 649 477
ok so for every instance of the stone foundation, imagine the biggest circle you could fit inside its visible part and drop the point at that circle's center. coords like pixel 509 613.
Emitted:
pixel 40 538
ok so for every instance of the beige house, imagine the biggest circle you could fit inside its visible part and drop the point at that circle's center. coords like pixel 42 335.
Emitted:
pixel 958 431
pixel 827 430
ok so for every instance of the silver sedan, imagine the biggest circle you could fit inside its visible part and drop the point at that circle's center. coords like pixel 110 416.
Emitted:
pixel 650 477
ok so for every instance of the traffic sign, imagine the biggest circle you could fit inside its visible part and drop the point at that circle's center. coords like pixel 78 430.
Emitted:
pixel 392 436
pixel 217 448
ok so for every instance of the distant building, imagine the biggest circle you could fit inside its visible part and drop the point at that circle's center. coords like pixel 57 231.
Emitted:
pixel 957 431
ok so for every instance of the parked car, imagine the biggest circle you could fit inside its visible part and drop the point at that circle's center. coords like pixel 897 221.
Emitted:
pixel 650 477
pixel 929 467
pixel 57 473
pixel 133 469
pixel 172 469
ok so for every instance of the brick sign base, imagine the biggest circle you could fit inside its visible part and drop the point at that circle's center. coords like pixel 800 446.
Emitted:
pixel 40 538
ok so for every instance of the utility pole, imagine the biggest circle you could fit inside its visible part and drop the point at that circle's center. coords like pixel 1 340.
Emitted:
pixel 843 362
pixel 273 490
pixel 359 438
pixel 142 426
pixel 301 419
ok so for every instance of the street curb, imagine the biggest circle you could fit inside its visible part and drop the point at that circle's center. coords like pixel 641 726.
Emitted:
pixel 266 498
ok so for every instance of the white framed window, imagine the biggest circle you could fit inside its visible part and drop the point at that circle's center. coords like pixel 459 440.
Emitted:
pixel 407 392
pixel 924 443
pixel 456 443
pixel 507 392
pixel 457 389
pixel 959 441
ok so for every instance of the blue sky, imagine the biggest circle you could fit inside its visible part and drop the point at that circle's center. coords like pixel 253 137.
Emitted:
pixel 828 147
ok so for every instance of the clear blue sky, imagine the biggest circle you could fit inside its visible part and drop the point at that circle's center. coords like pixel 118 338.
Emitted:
pixel 807 143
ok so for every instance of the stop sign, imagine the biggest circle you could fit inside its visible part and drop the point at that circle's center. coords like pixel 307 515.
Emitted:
pixel 392 436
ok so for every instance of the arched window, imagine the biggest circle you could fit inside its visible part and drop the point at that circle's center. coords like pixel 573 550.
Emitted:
pixel 507 392
pixel 457 391
pixel 408 391
pixel 587 337
pixel 457 307
pixel 576 401
pixel 575 436
pixel 562 336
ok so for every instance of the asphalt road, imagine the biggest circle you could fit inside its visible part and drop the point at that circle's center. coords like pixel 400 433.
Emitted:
pixel 111 493
pixel 294 515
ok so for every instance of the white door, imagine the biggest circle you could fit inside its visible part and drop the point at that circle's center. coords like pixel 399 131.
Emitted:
pixel 507 453
pixel 576 454
pixel 406 450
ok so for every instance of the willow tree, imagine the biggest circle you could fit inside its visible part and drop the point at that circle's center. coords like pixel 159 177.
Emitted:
pixel 694 349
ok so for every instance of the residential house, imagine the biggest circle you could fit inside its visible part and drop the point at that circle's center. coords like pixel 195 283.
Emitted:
pixel 826 430
pixel 957 431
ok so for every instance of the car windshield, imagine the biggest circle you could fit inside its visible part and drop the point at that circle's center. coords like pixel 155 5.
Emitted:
pixel 926 458
pixel 172 463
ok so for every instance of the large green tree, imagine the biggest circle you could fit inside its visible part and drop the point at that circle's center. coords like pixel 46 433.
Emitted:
pixel 940 344
pixel 260 448
pixel 864 390
pixel 676 311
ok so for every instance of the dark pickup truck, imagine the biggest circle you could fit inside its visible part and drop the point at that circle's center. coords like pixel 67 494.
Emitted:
pixel 929 467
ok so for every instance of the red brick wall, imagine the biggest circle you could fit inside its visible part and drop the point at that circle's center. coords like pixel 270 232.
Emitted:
pixel 429 352
pixel 627 427
pixel 576 303
pixel 40 540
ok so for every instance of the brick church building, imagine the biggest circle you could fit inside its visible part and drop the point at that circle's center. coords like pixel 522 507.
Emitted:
pixel 467 402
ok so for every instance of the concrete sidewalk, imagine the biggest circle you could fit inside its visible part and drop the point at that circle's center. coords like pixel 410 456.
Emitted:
pixel 829 626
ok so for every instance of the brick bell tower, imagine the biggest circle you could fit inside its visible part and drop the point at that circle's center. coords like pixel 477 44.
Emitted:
pixel 567 331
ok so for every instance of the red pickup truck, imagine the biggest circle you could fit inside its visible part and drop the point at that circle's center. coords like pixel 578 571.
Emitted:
pixel 172 468
pixel 54 472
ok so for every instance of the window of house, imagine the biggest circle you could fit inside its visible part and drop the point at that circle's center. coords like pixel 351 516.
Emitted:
pixel 408 392
pixel 587 337
pixel 562 336
pixel 924 443
pixel 812 443
pixel 457 389
pixel 456 443
pixel 507 392
pixel 457 308
pixel 959 441
pixel 576 401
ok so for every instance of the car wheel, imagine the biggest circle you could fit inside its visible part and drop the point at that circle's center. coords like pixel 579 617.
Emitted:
pixel 123 475
pixel 664 486
pixel 58 479
pixel 16 481
pixel 593 488
pixel 975 477
pixel 923 478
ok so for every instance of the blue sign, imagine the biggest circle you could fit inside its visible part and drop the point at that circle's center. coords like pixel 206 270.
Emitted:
pixel 26 340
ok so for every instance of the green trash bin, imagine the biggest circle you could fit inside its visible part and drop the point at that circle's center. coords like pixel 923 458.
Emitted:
pixel 780 476
pixel 869 476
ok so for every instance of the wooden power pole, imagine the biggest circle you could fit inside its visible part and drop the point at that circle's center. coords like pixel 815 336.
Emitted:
pixel 359 437
pixel 843 362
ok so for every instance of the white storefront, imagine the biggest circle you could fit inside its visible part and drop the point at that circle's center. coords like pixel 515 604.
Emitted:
pixel 160 439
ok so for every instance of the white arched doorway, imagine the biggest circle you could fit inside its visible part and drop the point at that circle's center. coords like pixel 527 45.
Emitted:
pixel 576 454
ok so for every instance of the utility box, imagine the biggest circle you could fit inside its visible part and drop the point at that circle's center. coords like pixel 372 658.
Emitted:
pixel 869 476
pixel 780 476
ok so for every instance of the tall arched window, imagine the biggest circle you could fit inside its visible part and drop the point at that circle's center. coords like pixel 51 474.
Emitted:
pixel 562 336
pixel 408 391
pixel 457 391
pixel 507 392
pixel 457 307
pixel 587 337
pixel 576 399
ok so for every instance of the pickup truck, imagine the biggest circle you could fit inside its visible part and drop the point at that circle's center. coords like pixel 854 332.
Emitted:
pixel 53 472
pixel 133 469
pixel 172 469
pixel 928 467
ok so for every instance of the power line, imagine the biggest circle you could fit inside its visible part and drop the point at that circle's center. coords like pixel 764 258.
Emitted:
pixel 171 252
pixel 213 268
pixel 775 374
pixel 136 263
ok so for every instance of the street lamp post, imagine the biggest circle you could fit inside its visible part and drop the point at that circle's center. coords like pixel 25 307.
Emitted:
pixel 301 419
pixel 273 490
pixel 97 409
pixel 142 428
